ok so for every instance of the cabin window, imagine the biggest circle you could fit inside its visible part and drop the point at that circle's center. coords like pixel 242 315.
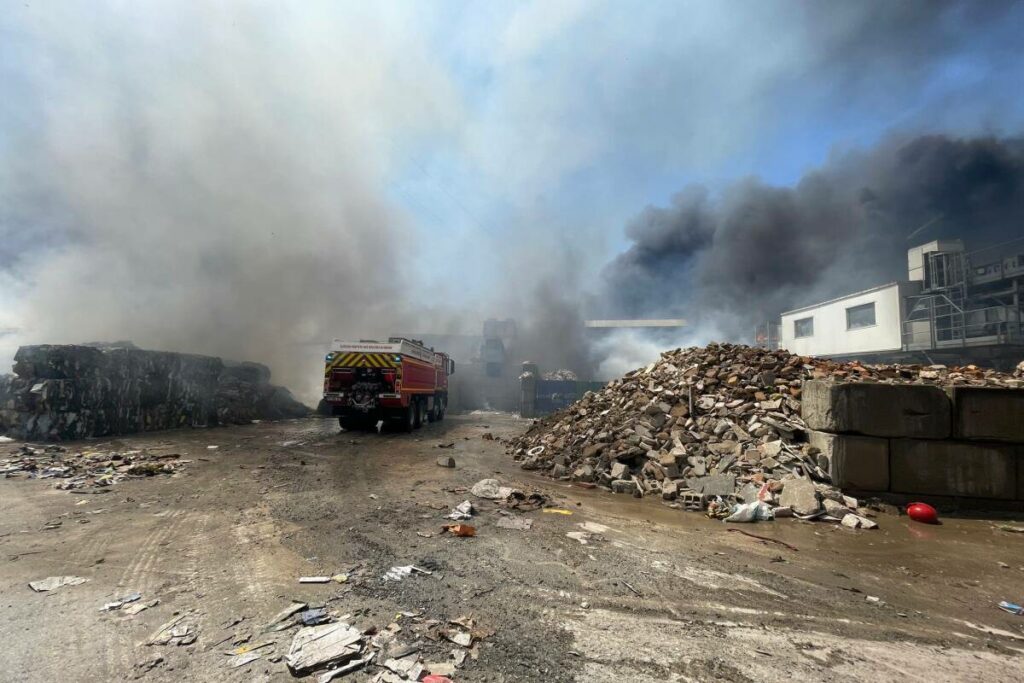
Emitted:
pixel 803 327
pixel 860 316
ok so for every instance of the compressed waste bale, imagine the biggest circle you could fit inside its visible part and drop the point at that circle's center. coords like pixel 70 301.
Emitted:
pixel 63 392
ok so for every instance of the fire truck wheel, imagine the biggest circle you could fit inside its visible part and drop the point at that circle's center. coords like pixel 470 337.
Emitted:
pixel 421 413
pixel 409 417
pixel 348 423
pixel 434 411
pixel 442 406
pixel 414 404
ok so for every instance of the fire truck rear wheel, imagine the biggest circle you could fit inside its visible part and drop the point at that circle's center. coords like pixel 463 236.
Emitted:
pixel 349 423
pixel 409 417
pixel 421 412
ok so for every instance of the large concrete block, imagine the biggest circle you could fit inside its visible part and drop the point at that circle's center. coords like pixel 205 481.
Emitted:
pixel 855 462
pixel 954 468
pixel 1020 476
pixel 988 413
pixel 892 410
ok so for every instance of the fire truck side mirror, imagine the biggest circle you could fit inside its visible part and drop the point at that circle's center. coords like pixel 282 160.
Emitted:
pixel 451 367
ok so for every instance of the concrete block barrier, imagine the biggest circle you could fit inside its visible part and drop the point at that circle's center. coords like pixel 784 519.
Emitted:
pixel 883 410
pixel 955 468
pixel 857 463
pixel 988 413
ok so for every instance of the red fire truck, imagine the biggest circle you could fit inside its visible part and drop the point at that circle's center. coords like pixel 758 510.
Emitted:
pixel 400 380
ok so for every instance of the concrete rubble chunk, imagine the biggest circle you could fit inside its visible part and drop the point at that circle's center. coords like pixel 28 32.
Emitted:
pixel 491 489
pixel 623 486
pixel 801 496
pixel 857 522
pixel 716 485
pixel 835 509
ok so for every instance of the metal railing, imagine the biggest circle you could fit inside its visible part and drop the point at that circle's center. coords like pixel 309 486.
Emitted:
pixel 937 321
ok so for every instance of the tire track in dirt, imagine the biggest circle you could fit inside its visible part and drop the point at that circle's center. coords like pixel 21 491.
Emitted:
pixel 138 575
pixel 253 572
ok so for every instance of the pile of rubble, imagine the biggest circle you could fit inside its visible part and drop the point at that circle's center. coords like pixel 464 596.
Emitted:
pixel 715 427
pixel 89 470
pixel 75 391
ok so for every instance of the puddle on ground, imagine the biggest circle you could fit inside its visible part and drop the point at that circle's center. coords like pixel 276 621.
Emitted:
pixel 964 564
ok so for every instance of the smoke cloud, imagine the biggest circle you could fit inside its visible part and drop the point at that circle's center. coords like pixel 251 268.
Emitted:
pixel 210 181
pixel 251 179
pixel 554 335
pixel 732 259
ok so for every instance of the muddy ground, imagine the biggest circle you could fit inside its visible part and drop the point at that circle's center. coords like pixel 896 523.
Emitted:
pixel 659 595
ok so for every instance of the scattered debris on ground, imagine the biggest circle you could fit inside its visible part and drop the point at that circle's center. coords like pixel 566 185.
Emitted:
pixel 464 530
pixel 1011 607
pixel 462 511
pixel 88 470
pixel 321 645
pixel 712 428
pixel 517 523
pixel 327 646
pixel 137 607
pixel 507 496
pixel 120 602
pixel 399 573
pixel 284 618
pixel 52 583
pixel 178 631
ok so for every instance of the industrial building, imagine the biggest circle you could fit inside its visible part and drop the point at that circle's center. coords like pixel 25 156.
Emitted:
pixel 954 307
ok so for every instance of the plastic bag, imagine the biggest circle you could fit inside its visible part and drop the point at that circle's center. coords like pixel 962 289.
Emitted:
pixel 751 512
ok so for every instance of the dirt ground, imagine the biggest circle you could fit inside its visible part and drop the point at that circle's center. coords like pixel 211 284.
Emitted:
pixel 657 595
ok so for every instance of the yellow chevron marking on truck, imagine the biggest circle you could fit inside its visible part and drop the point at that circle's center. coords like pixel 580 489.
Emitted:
pixel 362 360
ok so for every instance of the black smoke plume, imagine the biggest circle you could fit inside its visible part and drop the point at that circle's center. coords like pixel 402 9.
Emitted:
pixel 729 260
